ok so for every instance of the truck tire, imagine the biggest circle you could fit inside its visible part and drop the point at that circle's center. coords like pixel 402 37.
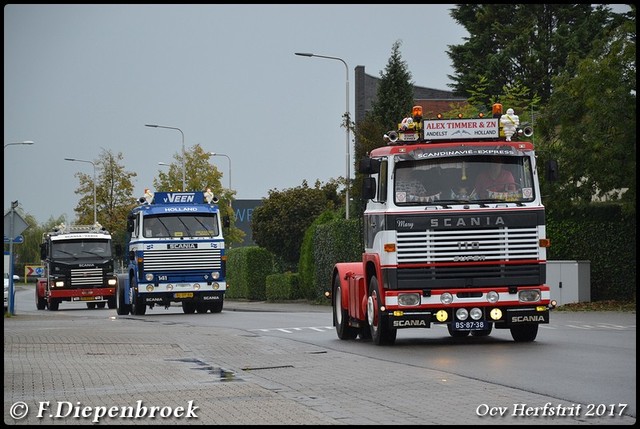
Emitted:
pixel 341 316
pixel 138 307
pixel 111 302
pixel 41 303
pixel 456 334
pixel 381 333
pixel 101 304
pixel 91 305
pixel 188 307
pixel 53 304
pixel 122 309
pixel 524 333
pixel 216 307
pixel 484 332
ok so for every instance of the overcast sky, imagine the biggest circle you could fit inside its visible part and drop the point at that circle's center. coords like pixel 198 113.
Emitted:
pixel 79 78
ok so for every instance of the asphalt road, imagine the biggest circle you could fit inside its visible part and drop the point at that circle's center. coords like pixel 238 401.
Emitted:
pixel 260 363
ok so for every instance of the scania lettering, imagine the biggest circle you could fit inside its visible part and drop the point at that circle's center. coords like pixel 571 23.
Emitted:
pixel 453 245
pixel 78 267
pixel 176 254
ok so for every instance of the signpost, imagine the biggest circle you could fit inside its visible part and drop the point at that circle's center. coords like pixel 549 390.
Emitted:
pixel 16 225
pixel 16 240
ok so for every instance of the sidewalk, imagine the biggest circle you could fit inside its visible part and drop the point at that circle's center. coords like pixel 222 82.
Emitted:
pixel 292 306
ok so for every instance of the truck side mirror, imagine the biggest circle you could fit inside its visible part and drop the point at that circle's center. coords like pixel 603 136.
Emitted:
pixel 130 224
pixel 368 188
pixel 551 170
pixel 119 250
pixel 43 251
pixel 369 166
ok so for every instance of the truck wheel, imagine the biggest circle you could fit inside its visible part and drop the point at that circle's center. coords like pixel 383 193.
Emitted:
pixel 122 308
pixel 188 307
pixel 41 303
pixel 111 303
pixel 101 304
pixel 216 307
pixel 341 316
pixel 91 305
pixel 524 333
pixel 456 334
pixel 484 332
pixel 53 304
pixel 138 307
pixel 381 333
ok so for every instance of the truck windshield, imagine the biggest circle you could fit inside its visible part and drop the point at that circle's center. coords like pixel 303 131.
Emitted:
pixel 464 179
pixel 81 248
pixel 180 225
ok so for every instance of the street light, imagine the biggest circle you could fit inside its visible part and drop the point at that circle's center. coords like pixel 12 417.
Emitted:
pixel 348 178
pixel 229 159
pixel 95 212
pixel 184 168
pixel 24 142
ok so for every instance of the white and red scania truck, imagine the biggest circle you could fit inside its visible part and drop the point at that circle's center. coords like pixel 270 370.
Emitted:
pixel 456 255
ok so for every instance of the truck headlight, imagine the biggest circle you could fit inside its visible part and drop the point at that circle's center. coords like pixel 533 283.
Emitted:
pixel 475 313
pixel 215 275
pixel 492 296
pixel 446 298
pixel 529 295
pixel 462 314
pixel 148 277
pixel 408 299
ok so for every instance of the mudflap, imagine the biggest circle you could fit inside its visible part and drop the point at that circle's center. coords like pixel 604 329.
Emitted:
pixel 527 315
pixel 409 319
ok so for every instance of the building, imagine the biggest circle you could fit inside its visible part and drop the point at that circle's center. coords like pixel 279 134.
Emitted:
pixel 433 101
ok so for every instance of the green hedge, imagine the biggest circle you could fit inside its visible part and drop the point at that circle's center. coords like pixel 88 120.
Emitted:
pixel 337 241
pixel 600 234
pixel 247 271
pixel 307 264
pixel 283 287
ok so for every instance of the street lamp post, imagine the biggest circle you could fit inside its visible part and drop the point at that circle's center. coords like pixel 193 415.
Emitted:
pixel 348 178
pixel 184 168
pixel 95 211
pixel 228 159
pixel 24 142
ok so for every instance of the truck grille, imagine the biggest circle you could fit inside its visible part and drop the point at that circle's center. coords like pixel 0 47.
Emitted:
pixel 86 277
pixel 468 258
pixel 182 259
pixel 501 244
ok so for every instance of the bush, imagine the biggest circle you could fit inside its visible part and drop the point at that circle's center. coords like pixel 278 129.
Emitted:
pixel 337 241
pixel 247 270
pixel 283 287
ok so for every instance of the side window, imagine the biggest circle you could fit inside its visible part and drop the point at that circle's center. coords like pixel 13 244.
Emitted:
pixel 383 182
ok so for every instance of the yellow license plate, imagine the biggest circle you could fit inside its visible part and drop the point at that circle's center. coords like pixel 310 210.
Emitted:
pixel 184 295
pixel 87 298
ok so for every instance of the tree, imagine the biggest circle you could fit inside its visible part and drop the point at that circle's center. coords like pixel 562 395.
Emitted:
pixel 201 175
pixel 526 43
pixel 394 96
pixel 589 124
pixel 280 222
pixel 114 195
pixel 393 102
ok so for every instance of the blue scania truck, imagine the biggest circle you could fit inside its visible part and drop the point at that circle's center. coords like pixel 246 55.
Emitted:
pixel 176 254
